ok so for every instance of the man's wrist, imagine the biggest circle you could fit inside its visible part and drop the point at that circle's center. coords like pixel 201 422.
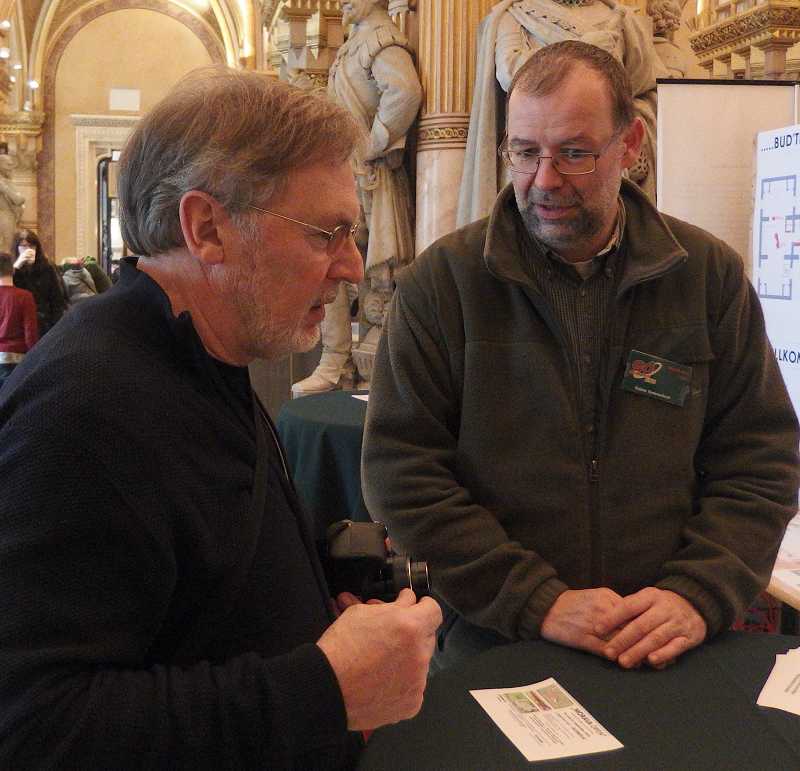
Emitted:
pixel 539 604
pixel 700 599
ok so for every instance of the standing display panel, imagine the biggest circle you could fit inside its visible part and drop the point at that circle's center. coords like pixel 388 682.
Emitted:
pixel 706 148
pixel 776 247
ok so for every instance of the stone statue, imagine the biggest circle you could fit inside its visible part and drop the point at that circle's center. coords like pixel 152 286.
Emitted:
pixel 373 76
pixel 666 16
pixel 512 31
pixel 12 203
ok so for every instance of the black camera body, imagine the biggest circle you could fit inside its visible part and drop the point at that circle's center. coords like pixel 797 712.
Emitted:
pixel 359 562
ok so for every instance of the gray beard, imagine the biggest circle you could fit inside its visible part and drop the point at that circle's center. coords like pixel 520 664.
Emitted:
pixel 583 227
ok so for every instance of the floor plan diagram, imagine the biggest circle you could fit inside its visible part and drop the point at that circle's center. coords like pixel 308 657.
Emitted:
pixel 776 247
pixel 777 239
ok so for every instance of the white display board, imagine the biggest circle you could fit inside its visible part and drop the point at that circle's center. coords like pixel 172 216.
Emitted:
pixel 776 247
pixel 706 150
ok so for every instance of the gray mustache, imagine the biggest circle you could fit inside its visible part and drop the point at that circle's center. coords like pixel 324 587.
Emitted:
pixel 546 201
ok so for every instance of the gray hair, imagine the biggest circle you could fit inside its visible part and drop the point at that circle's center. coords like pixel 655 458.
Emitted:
pixel 233 134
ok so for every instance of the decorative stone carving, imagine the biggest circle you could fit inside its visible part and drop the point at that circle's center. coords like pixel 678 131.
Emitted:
pixel 304 38
pixel 666 16
pixel 772 26
pixel 375 307
pixel 442 132
pixel 12 202
pixel 509 35
pixel 400 6
pixel 373 76
pixel 21 132
pixel 309 81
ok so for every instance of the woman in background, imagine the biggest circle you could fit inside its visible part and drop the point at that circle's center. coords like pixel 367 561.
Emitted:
pixel 34 272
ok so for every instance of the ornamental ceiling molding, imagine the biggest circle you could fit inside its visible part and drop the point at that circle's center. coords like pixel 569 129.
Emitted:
pixel 778 24
pixel 51 25
pixel 46 172
pixel 61 37
pixel 65 9
pixel 22 123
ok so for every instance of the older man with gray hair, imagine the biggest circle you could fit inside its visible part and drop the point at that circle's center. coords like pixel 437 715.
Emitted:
pixel 173 612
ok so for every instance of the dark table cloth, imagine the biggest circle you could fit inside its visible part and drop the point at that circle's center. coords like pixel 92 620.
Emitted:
pixel 322 437
pixel 700 713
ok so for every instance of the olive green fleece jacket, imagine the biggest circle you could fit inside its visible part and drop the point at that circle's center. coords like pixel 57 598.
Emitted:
pixel 473 454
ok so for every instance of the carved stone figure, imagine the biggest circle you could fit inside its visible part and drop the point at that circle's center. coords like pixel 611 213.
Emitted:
pixel 373 76
pixel 508 36
pixel 376 308
pixel 12 203
pixel 666 16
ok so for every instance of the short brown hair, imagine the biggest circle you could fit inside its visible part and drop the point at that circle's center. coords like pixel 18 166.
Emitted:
pixel 547 69
pixel 232 134
pixel 6 264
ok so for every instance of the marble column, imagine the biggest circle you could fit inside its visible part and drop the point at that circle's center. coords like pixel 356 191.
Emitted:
pixel 447 50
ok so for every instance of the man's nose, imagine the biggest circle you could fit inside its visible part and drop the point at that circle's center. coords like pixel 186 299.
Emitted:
pixel 547 176
pixel 349 264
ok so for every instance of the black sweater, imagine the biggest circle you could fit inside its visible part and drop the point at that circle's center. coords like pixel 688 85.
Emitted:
pixel 149 615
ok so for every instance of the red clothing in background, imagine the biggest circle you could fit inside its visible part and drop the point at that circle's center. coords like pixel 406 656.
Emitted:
pixel 19 328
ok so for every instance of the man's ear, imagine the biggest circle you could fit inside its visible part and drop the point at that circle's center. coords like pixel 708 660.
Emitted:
pixel 202 220
pixel 632 137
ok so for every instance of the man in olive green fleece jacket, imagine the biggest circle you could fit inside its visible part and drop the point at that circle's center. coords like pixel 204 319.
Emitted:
pixel 576 417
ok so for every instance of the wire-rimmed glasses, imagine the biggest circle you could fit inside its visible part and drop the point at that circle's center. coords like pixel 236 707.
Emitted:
pixel 567 161
pixel 336 237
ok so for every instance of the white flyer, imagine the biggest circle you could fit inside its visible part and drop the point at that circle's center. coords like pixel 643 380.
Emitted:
pixel 544 722
pixel 782 689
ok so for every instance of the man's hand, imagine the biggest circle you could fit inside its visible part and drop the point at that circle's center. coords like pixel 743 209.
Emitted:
pixel 656 625
pixel 380 654
pixel 572 618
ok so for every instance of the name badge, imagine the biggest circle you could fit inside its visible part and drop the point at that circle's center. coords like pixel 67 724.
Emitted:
pixel 658 378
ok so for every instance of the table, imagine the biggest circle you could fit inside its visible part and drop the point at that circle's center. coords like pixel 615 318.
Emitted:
pixel 785 582
pixel 699 713
pixel 322 437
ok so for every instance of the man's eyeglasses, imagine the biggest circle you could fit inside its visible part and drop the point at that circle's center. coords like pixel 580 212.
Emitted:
pixel 336 237
pixel 567 161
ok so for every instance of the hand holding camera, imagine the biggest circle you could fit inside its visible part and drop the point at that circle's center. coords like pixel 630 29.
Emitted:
pixel 380 651
pixel 380 654
pixel 27 256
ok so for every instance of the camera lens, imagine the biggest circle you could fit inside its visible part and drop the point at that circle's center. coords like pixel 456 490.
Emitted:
pixel 408 574
pixel 420 581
